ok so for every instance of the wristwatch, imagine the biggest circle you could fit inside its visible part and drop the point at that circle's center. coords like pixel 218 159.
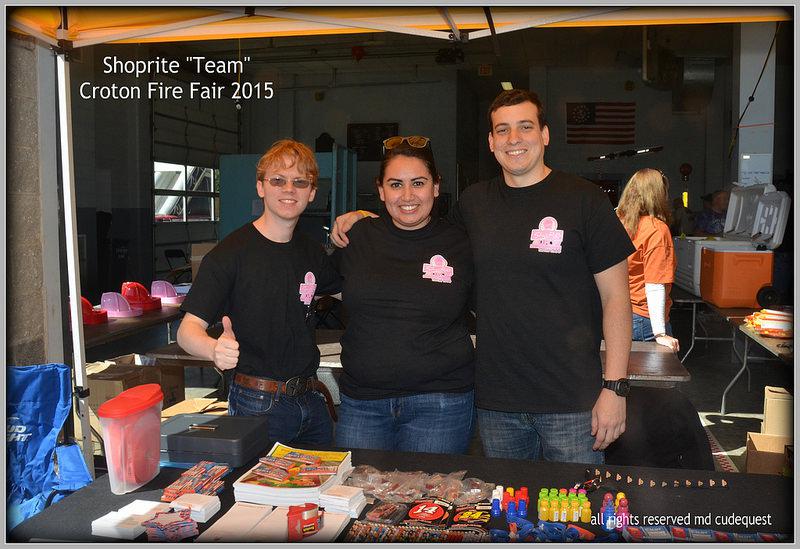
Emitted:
pixel 621 386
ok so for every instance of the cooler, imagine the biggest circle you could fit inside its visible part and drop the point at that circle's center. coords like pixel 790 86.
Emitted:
pixel 130 423
pixel 732 278
pixel 235 440
pixel 756 219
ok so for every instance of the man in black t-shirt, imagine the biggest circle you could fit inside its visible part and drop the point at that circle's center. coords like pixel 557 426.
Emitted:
pixel 551 277
pixel 260 281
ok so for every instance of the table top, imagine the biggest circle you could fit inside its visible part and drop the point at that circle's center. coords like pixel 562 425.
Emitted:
pixel 649 361
pixel 746 495
pixel 117 328
pixel 781 348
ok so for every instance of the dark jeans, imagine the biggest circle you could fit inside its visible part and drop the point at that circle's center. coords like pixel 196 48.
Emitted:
pixel 564 437
pixel 428 422
pixel 302 419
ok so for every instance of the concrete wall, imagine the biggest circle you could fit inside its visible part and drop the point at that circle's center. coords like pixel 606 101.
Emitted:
pixel 33 286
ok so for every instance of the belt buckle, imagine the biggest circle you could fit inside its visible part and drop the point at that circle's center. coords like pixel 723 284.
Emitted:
pixel 294 386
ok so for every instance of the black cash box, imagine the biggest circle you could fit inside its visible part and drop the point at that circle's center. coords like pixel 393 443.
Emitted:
pixel 235 440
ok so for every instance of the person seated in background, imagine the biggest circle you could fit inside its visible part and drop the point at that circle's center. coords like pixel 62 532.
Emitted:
pixel 711 221
pixel 260 281
pixel 644 212
pixel 407 358
pixel 682 218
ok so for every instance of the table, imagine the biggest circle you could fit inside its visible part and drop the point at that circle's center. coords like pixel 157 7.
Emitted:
pixel 650 364
pixel 653 365
pixel 117 328
pixel 775 346
pixel 746 495
pixel 679 295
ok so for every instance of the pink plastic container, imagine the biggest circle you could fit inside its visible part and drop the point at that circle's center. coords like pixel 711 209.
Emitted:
pixel 117 306
pixel 131 423
pixel 166 291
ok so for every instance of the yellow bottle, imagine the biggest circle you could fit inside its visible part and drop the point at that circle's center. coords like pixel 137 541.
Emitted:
pixel 586 512
pixel 575 511
pixel 564 511
pixel 554 514
pixel 544 508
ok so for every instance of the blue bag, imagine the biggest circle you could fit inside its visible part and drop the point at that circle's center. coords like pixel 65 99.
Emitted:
pixel 38 402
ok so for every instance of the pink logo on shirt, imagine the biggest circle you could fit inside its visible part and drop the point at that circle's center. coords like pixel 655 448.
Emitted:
pixel 438 270
pixel 547 238
pixel 308 289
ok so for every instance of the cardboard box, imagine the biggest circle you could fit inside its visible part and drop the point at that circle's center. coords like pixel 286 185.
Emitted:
pixel 109 378
pixel 765 453
pixel 198 252
pixel 778 412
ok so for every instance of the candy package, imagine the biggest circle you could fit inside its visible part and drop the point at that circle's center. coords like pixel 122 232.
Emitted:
pixel 387 513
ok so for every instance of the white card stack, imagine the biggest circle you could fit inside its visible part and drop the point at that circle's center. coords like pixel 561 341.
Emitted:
pixel 235 525
pixel 144 507
pixel 202 507
pixel 117 525
pixel 126 523
pixel 347 500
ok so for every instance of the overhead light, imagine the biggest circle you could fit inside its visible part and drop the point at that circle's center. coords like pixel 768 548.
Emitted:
pixel 507 86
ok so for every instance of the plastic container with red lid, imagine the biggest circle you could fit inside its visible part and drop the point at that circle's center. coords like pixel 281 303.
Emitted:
pixel 131 423
pixel 138 296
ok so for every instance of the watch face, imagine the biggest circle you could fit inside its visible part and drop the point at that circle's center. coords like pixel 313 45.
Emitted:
pixel 623 387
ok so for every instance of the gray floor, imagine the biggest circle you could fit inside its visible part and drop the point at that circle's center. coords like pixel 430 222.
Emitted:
pixel 711 367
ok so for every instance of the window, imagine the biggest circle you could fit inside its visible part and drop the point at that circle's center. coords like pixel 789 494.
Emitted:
pixel 185 193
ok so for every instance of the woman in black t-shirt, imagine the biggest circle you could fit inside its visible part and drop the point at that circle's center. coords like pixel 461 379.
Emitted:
pixel 408 376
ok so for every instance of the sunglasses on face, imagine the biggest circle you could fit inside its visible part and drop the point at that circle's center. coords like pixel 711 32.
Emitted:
pixel 416 141
pixel 299 183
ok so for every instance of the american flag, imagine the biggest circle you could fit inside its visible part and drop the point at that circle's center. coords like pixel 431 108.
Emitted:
pixel 601 123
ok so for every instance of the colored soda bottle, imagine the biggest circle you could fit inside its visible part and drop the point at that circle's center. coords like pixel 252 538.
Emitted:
pixel 544 508
pixel 575 511
pixel 554 511
pixel 564 511
pixel 562 492
pixel 609 519
pixel 622 515
pixel 586 512
pixel 620 495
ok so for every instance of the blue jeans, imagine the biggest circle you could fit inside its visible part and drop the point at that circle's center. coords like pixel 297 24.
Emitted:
pixel 428 422
pixel 643 331
pixel 564 437
pixel 302 419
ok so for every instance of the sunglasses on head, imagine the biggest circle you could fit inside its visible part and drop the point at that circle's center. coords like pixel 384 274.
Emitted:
pixel 416 141
pixel 298 182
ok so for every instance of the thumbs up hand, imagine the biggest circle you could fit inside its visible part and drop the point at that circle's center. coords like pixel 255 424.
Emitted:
pixel 226 351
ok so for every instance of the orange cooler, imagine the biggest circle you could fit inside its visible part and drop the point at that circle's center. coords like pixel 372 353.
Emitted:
pixel 732 278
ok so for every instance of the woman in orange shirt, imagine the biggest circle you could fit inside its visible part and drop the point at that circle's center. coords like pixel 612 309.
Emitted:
pixel 644 211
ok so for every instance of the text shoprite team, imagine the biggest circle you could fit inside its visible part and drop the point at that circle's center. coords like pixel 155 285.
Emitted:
pixel 541 251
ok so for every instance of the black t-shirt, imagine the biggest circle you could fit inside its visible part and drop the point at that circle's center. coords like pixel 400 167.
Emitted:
pixel 539 322
pixel 406 332
pixel 263 287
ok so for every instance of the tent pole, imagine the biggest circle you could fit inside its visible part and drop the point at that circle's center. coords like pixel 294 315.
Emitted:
pixel 73 269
